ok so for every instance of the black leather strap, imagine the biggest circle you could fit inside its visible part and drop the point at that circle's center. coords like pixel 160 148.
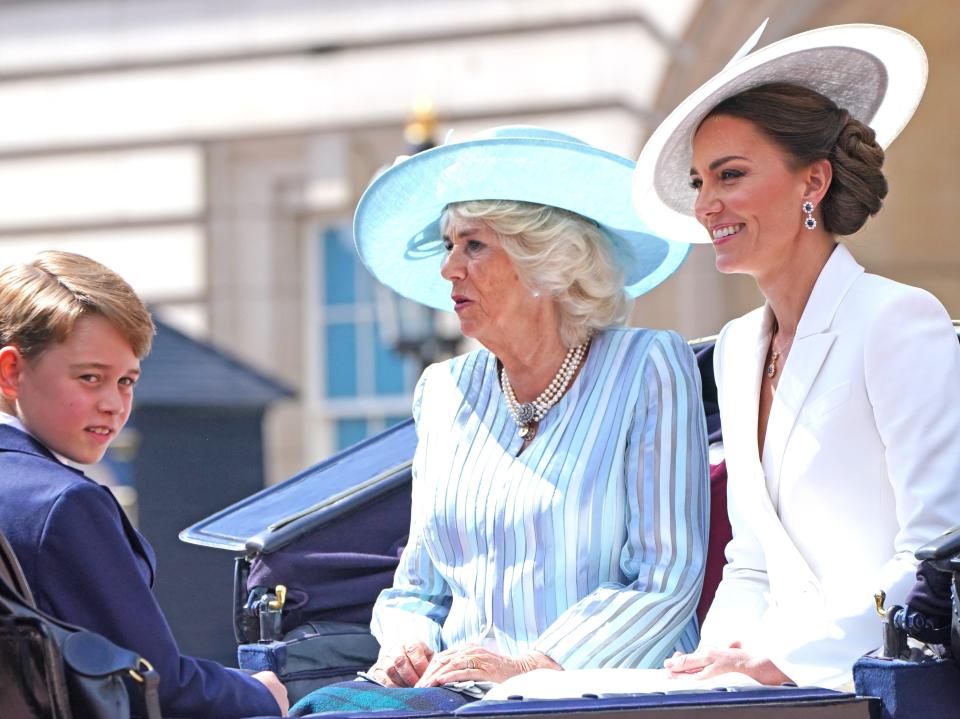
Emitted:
pixel 12 574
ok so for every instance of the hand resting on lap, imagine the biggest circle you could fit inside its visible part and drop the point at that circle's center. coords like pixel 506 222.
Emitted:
pixel 708 662
pixel 402 665
pixel 474 663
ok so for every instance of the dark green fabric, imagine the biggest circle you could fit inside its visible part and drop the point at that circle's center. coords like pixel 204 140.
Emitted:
pixel 364 696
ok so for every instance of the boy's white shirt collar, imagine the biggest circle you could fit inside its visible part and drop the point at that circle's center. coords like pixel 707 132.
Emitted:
pixel 15 422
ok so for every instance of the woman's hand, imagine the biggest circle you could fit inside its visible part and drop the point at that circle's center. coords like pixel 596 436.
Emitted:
pixel 402 665
pixel 478 664
pixel 707 662
pixel 279 692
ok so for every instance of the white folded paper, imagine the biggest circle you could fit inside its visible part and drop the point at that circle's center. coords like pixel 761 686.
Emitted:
pixel 553 684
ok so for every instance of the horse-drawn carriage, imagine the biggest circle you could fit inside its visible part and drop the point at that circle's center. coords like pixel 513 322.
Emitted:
pixel 331 536
pixel 312 554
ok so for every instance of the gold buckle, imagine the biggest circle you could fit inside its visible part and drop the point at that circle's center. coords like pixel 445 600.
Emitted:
pixel 878 599
pixel 281 594
pixel 142 664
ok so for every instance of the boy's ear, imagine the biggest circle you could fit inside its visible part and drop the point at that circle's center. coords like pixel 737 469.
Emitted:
pixel 11 365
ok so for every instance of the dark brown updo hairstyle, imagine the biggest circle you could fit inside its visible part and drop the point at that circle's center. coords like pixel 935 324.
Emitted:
pixel 810 127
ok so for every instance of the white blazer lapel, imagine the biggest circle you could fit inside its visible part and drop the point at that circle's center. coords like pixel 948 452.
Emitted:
pixel 803 365
pixel 787 567
pixel 810 349
pixel 748 340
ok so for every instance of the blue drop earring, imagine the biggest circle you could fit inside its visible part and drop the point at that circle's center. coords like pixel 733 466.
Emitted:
pixel 810 223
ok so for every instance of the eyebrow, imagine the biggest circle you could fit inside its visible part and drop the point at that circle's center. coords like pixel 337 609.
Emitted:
pixel 719 161
pixel 466 232
pixel 98 365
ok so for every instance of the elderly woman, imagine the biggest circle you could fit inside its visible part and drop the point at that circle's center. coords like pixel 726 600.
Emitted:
pixel 840 398
pixel 560 478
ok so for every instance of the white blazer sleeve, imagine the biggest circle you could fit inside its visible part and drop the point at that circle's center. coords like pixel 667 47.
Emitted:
pixel 912 377
pixel 740 601
pixel 912 371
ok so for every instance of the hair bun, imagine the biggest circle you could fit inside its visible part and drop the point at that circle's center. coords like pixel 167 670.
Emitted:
pixel 858 186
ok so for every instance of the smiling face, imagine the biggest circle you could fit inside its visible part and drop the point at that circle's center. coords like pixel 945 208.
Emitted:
pixel 487 292
pixel 748 196
pixel 76 395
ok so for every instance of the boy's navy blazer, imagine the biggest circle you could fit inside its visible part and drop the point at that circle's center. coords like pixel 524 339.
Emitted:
pixel 87 565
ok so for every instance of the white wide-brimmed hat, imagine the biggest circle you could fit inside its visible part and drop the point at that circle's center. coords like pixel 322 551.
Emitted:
pixel 876 73
pixel 397 222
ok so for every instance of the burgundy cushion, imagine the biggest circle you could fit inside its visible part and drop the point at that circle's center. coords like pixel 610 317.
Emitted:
pixel 720 534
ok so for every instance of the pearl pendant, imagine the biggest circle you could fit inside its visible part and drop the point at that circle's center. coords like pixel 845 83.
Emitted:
pixel 526 413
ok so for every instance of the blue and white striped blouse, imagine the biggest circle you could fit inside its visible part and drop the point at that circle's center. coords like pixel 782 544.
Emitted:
pixel 589 546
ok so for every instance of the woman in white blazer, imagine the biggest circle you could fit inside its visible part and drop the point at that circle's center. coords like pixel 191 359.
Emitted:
pixel 840 397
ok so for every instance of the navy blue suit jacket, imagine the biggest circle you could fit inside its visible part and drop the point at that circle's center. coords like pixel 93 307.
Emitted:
pixel 88 566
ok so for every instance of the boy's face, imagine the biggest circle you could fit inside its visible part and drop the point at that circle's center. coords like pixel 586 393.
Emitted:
pixel 76 396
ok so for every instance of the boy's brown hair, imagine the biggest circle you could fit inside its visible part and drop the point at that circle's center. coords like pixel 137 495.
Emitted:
pixel 40 301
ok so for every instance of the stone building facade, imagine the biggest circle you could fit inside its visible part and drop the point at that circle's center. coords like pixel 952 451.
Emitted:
pixel 213 151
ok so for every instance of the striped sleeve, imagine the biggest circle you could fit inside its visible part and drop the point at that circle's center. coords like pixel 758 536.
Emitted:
pixel 415 607
pixel 641 621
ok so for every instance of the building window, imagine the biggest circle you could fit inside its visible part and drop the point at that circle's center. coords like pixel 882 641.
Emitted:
pixel 363 386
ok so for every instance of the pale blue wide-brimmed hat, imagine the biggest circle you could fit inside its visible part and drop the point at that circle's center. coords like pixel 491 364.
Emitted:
pixel 397 223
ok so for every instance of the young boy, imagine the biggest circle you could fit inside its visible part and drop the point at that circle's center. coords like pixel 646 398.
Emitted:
pixel 72 334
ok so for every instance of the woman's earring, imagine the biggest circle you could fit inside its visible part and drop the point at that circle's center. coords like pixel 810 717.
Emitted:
pixel 810 223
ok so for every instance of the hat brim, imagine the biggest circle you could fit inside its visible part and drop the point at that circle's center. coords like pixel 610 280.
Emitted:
pixel 876 73
pixel 396 225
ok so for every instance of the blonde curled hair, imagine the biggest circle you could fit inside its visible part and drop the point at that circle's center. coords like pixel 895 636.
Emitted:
pixel 560 254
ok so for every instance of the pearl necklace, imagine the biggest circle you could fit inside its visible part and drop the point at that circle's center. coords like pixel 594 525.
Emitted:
pixel 528 413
